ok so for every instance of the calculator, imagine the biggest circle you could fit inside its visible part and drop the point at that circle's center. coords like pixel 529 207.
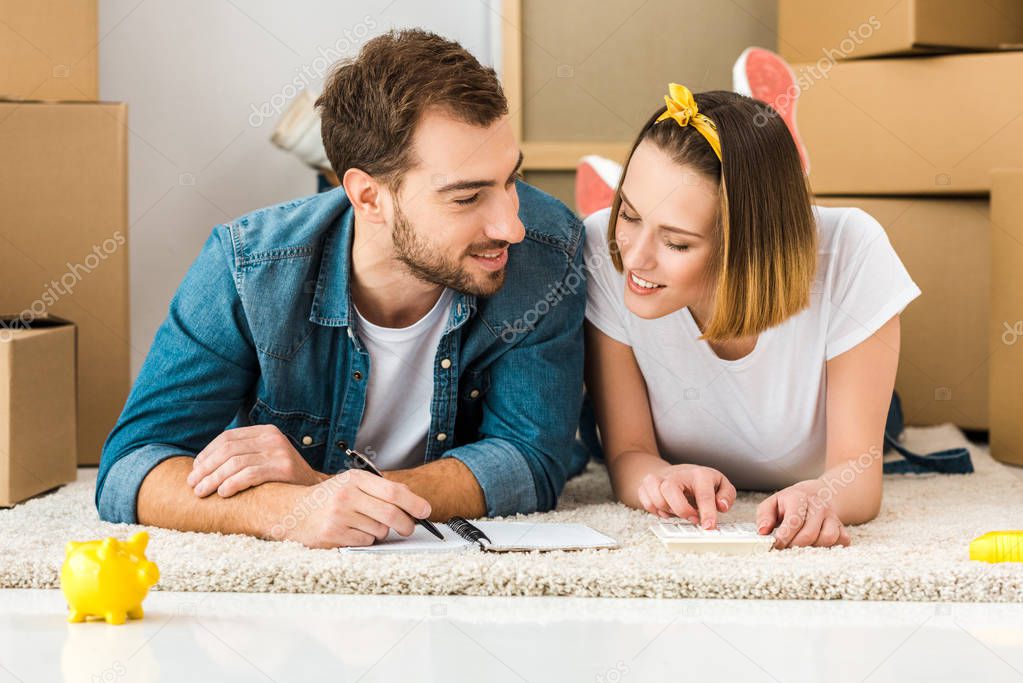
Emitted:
pixel 729 538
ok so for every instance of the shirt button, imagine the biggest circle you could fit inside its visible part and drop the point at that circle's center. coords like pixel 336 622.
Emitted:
pixel 306 440
pixel 357 375
pixel 442 437
pixel 474 393
pixel 446 363
pixel 342 445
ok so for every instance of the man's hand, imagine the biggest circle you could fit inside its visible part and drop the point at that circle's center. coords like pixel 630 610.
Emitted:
pixel 248 456
pixel 801 517
pixel 691 492
pixel 353 508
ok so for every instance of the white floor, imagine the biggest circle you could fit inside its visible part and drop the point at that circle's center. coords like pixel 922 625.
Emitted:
pixel 248 637
pixel 221 637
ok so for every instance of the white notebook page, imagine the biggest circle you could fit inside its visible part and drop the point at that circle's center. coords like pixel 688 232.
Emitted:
pixel 505 536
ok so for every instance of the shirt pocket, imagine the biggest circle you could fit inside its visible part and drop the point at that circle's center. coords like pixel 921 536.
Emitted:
pixel 475 385
pixel 308 433
pixel 471 392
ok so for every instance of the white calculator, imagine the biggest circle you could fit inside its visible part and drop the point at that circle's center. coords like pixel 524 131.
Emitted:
pixel 729 538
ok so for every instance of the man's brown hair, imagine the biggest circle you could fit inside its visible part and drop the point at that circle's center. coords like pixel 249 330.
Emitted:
pixel 371 104
pixel 766 237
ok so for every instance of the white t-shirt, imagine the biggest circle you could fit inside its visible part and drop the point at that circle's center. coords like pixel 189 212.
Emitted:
pixel 760 419
pixel 396 418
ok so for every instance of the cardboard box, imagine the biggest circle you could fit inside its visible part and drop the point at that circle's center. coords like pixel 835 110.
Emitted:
pixel 63 198
pixel 809 30
pixel 926 125
pixel 48 50
pixel 559 184
pixel 37 407
pixel 945 245
pixel 1006 325
pixel 594 71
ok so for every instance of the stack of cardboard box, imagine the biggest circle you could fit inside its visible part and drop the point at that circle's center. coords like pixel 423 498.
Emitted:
pixel 37 407
pixel 908 108
pixel 63 201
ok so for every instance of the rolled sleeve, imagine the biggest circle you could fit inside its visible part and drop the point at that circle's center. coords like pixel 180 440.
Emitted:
pixel 118 500
pixel 503 473
pixel 199 371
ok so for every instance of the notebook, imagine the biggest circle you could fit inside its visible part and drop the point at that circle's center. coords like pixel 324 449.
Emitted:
pixel 730 538
pixel 461 535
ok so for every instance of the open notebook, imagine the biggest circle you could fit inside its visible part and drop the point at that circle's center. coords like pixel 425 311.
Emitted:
pixel 461 535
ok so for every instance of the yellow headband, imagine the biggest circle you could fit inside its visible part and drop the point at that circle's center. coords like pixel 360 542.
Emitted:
pixel 682 108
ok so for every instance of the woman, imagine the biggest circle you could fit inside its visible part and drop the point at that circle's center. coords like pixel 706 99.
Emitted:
pixel 738 336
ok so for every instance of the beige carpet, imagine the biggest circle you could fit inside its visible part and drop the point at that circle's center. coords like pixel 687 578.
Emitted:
pixel 915 550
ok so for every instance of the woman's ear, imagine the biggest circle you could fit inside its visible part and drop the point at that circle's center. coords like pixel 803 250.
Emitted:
pixel 365 193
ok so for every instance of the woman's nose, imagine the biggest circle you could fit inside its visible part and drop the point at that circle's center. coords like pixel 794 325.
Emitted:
pixel 637 251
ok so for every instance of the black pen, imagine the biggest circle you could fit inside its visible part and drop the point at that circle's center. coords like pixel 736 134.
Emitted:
pixel 367 464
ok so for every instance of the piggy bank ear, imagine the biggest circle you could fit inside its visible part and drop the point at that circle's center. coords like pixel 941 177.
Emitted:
pixel 107 548
pixel 139 541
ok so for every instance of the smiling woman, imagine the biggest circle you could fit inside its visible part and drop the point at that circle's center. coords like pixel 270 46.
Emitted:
pixel 738 336
pixel 748 233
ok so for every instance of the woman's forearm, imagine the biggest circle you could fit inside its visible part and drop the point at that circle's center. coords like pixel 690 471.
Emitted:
pixel 627 470
pixel 854 492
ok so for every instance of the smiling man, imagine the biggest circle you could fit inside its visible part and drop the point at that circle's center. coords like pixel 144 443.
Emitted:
pixel 427 313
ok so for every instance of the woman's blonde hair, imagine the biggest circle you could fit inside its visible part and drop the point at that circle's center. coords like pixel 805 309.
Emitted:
pixel 766 239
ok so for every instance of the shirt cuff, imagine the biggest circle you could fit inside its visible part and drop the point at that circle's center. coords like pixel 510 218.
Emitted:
pixel 119 496
pixel 502 473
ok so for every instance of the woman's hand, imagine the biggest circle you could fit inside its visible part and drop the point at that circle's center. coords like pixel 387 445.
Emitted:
pixel 241 458
pixel 801 517
pixel 688 491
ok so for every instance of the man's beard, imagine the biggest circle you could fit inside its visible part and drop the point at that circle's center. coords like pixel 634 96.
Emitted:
pixel 427 264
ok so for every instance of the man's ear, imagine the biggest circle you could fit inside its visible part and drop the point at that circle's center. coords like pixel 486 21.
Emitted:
pixel 366 194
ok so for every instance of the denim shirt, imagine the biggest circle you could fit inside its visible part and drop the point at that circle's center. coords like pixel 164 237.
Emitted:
pixel 259 332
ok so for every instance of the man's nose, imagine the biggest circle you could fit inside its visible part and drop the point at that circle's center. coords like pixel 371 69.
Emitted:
pixel 505 225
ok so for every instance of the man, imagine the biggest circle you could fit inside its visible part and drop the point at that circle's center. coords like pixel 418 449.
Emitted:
pixel 427 313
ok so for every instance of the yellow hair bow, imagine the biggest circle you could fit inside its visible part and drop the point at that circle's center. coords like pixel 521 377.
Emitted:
pixel 682 108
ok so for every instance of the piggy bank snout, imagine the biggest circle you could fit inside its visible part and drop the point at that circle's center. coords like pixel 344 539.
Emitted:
pixel 148 573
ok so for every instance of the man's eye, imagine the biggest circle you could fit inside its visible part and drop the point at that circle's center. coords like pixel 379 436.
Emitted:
pixel 469 200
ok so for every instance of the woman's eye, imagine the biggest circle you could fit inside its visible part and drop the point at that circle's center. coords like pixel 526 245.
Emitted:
pixel 627 218
pixel 468 200
pixel 677 247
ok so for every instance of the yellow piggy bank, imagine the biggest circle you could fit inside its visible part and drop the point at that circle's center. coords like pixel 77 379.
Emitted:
pixel 107 579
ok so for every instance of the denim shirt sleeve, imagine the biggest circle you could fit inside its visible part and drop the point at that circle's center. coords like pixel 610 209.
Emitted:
pixel 531 412
pixel 201 367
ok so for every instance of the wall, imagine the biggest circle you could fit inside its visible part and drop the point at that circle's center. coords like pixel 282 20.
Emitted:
pixel 198 75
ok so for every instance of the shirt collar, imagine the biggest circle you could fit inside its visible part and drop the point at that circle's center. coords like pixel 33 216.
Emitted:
pixel 331 301
pixel 332 305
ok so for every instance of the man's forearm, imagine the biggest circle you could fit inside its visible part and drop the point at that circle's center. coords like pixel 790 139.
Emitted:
pixel 166 500
pixel 448 485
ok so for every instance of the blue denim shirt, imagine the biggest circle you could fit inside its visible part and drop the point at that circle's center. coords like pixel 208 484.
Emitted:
pixel 259 333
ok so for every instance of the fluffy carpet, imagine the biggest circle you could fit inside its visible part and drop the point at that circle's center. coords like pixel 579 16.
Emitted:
pixel 917 549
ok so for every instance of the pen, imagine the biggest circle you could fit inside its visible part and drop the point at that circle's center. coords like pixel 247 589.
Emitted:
pixel 367 464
